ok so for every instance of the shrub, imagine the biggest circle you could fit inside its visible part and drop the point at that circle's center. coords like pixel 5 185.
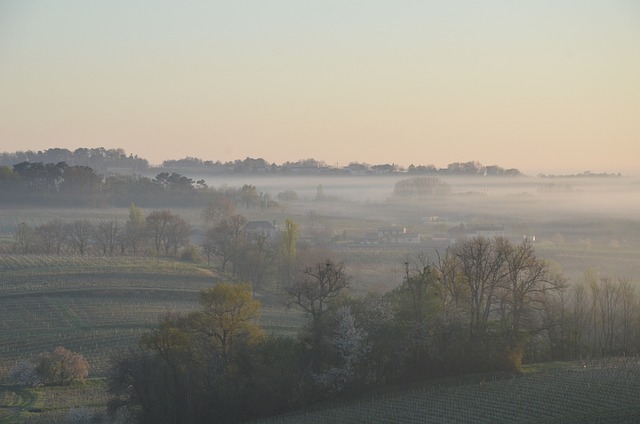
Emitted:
pixel 287 196
pixel 24 375
pixel 61 367
pixel 190 254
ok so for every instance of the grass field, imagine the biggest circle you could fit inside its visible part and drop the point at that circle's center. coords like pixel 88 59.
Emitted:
pixel 606 391
pixel 574 260
pixel 97 306
pixel 603 391
pixel 44 405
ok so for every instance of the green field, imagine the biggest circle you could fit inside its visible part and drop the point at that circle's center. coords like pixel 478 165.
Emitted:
pixel 45 405
pixel 97 306
pixel 575 260
pixel 605 391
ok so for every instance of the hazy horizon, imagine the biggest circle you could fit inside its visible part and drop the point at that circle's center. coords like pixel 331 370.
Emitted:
pixel 543 87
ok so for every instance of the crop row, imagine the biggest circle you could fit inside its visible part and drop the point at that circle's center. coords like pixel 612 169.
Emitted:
pixel 51 263
pixel 96 326
pixel 566 395
pixel 93 326
pixel 41 284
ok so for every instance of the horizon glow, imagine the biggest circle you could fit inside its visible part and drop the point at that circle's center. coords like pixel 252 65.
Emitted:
pixel 544 87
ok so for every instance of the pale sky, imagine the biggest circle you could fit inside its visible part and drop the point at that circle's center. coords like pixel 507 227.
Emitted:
pixel 543 86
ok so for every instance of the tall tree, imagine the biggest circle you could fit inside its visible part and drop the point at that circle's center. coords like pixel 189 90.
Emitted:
pixel 222 207
pixel 418 303
pixel 176 234
pixel 51 236
pixel 156 223
pixel 481 268
pixel 222 240
pixel 254 261
pixel 24 238
pixel 79 235
pixel 288 251
pixel 316 292
pixel 134 230
pixel 249 197
pixel 106 235
pixel 526 281
pixel 227 318
pixel 197 367
pixel 81 182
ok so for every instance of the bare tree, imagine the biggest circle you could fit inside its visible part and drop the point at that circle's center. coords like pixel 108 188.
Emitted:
pixel 527 280
pixel 106 235
pixel 156 224
pixel 316 292
pixel 608 303
pixel 24 238
pixel 628 310
pixel 79 235
pixel 580 320
pixel 288 252
pixel 223 239
pixel 254 261
pixel 480 262
pixel 51 236
pixel 222 207
pixel 176 234
pixel 167 230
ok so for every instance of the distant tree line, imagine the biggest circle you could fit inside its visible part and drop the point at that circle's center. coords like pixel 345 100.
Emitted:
pixel 239 253
pixel 55 184
pixel 160 233
pixel 484 304
pixel 116 161
pixel 420 188
pixel 101 160
pixel 472 168
pixel 585 174
pixel 312 166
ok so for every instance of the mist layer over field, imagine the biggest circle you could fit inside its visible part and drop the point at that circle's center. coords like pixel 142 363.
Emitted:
pixel 616 197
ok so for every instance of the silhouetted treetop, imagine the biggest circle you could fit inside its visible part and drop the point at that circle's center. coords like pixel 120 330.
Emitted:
pixel 116 161
pixel 101 160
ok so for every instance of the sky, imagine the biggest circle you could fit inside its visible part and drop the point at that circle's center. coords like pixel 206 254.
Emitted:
pixel 544 86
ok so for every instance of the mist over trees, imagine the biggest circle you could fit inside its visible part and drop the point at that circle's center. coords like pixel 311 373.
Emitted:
pixel 58 184
pixel 473 304
pixel 160 233
pixel 116 161
pixel 421 188
pixel 101 160
pixel 108 177
pixel 483 304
